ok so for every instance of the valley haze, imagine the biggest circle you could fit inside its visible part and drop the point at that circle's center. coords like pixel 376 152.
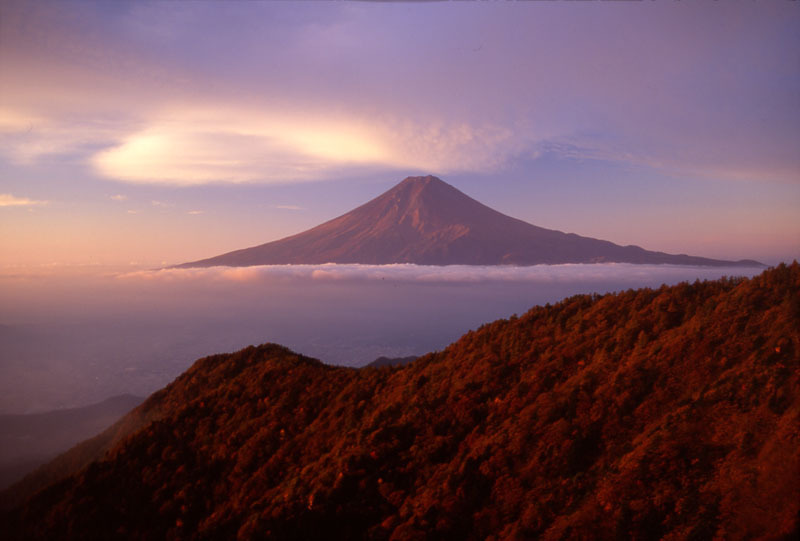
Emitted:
pixel 72 340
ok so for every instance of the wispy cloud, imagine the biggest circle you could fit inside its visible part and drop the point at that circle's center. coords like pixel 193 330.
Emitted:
pixel 8 200
pixel 195 212
pixel 326 103
pixel 119 197
pixel 161 204
pixel 28 135
pixel 196 146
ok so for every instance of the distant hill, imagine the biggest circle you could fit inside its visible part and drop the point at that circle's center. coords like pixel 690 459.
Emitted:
pixel 391 361
pixel 27 441
pixel 81 454
pixel 671 413
pixel 426 221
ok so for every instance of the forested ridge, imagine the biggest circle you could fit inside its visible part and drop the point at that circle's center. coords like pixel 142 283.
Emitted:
pixel 668 413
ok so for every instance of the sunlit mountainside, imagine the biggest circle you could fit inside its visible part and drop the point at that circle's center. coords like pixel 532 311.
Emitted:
pixel 669 413
pixel 426 221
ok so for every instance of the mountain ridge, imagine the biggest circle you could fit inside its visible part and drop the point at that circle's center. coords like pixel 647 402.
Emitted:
pixel 425 221
pixel 30 440
pixel 654 413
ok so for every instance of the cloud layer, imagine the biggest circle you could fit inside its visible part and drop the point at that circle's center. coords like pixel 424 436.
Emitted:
pixel 8 200
pixel 455 274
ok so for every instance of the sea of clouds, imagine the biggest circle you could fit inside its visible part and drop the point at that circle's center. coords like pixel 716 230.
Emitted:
pixel 605 272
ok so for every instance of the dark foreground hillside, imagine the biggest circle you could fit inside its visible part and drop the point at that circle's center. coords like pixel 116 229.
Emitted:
pixel 29 440
pixel 670 413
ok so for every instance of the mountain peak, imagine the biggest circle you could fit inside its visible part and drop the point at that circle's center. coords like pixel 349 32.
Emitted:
pixel 424 220
pixel 414 187
pixel 429 192
pixel 422 181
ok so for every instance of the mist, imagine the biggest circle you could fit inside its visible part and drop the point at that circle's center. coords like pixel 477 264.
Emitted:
pixel 69 340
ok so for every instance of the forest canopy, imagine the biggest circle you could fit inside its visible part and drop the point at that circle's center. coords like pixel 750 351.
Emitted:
pixel 656 413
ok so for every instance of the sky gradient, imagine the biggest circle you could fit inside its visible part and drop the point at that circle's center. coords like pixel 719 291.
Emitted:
pixel 161 132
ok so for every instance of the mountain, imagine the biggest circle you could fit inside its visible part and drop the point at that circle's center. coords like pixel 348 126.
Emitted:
pixel 84 453
pixel 26 441
pixel 391 361
pixel 426 221
pixel 671 413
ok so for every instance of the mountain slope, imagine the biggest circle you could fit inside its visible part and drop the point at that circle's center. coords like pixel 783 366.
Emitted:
pixel 426 221
pixel 27 441
pixel 84 453
pixel 670 413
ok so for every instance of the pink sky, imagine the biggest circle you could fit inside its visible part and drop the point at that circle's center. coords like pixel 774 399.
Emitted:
pixel 164 132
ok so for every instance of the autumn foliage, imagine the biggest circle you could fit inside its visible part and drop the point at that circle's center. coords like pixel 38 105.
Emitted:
pixel 671 413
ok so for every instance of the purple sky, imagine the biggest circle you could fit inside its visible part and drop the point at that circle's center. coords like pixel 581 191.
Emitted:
pixel 169 131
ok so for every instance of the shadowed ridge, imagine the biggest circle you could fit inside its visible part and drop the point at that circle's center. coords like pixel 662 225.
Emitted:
pixel 424 220
pixel 30 440
pixel 204 373
pixel 391 361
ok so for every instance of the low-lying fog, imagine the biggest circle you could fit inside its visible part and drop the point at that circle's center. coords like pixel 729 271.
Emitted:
pixel 74 340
